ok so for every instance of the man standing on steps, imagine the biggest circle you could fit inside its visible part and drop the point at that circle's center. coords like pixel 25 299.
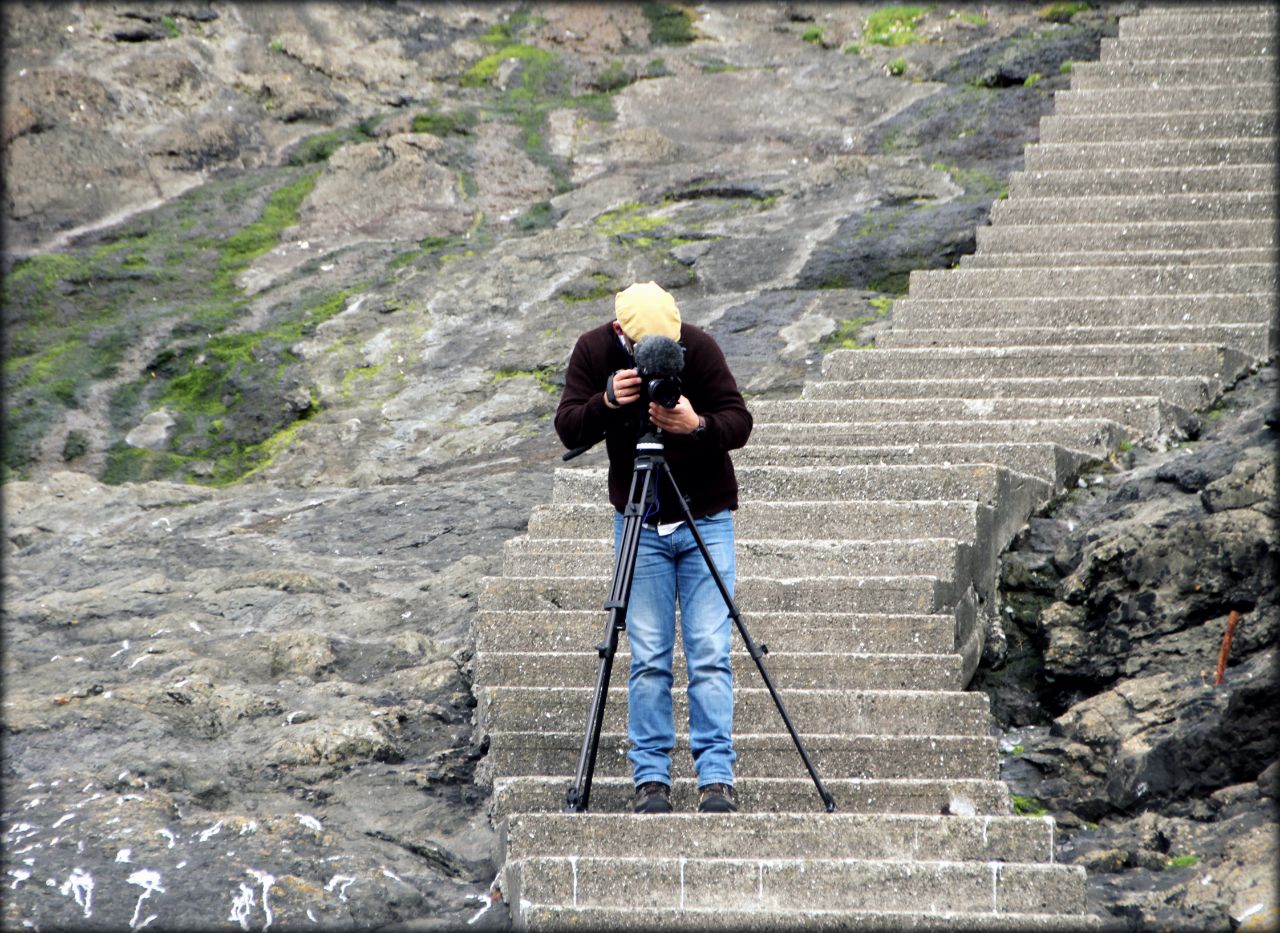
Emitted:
pixel 602 397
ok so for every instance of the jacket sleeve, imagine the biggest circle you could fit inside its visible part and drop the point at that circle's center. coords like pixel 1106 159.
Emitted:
pixel 719 401
pixel 582 416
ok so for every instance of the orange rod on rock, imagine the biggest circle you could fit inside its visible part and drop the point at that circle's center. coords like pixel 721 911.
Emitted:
pixel 1226 646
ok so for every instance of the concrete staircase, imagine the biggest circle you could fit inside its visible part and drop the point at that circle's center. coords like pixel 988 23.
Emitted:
pixel 1125 282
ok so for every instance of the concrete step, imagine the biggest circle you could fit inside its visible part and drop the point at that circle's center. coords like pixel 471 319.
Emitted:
pixel 1070 311
pixel 1173 208
pixel 936 757
pixel 863 836
pixel 979 482
pixel 790 670
pixel 1121 237
pixel 1038 362
pixel 1191 180
pixel 539 917
pixel 1254 339
pixel 1047 461
pixel 545 557
pixel 858 594
pixel 881 520
pixel 1219 22
pixel 1191 45
pixel 940 888
pixel 1091 281
pixel 1185 7
pixel 1096 437
pixel 1187 391
pixel 1147 414
pixel 856 633
pixel 767 795
pixel 1209 7
pixel 1109 128
pixel 1089 76
pixel 859 712
pixel 1103 156
pixel 1204 257
pixel 1184 99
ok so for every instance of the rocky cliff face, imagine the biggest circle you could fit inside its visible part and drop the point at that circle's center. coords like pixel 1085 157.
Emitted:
pixel 287 294
pixel 1117 605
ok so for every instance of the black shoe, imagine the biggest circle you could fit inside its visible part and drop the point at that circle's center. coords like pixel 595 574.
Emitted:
pixel 716 798
pixel 652 797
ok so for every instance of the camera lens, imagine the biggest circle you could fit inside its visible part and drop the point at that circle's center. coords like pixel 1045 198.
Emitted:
pixel 665 390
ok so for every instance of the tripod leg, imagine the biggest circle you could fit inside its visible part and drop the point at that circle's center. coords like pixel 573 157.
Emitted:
pixel 578 797
pixel 757 652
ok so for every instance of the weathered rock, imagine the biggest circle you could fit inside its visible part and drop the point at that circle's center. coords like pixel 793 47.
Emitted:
pixel 1116 608
pixel 1137 573
pixel 1166 741
pixel 153 432
pixel 392 189
pixel 1011 61
pixel 1179 873
pixel 261 670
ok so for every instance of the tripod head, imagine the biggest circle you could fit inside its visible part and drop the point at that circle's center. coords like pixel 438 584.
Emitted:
pixel 650 440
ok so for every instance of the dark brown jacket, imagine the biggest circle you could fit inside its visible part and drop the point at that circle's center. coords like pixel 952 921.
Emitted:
pixel 701 466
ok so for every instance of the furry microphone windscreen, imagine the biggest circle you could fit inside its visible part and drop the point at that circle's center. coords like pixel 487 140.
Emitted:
pixel 659 356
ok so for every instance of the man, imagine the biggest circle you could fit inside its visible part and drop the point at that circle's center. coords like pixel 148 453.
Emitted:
pixel 602 398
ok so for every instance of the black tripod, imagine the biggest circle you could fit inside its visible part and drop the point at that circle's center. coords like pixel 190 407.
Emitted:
pixel 649 464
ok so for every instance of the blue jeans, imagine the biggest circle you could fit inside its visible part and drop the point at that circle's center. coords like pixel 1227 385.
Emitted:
pixel 667 567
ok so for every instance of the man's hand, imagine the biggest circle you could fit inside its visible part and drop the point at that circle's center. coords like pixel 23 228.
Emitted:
pixel 626 388
pixel 679 420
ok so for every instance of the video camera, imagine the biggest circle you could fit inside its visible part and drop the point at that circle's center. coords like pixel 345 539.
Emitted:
pixel 659 361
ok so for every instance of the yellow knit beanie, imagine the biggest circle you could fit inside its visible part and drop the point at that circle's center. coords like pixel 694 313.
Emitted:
pixel 645 309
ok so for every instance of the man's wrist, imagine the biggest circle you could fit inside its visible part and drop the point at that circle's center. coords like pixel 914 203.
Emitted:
pixel 700 429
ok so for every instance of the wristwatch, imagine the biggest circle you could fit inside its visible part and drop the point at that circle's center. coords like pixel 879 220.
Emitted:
pixel 701 430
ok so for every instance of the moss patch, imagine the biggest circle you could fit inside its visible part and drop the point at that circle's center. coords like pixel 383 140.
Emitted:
pixel 244 246
pixel 1027 806
pixel 171 275
pixel 505 32
pixel 613 78
pixel 544 376
pixel 1062 12
pixel 846 336
pixel 629 220
pixel 537 60
pixel 972 180
pixel 668 24
pixel 894 25
pixel 319 147
pixel 539 217
pixel 438 247
pixel 231 393
pixel 356 375
pixel 599 285
pixel 458 123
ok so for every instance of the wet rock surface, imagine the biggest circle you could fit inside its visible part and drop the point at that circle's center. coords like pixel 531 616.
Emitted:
pixel 260 701
pixel 1117 602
